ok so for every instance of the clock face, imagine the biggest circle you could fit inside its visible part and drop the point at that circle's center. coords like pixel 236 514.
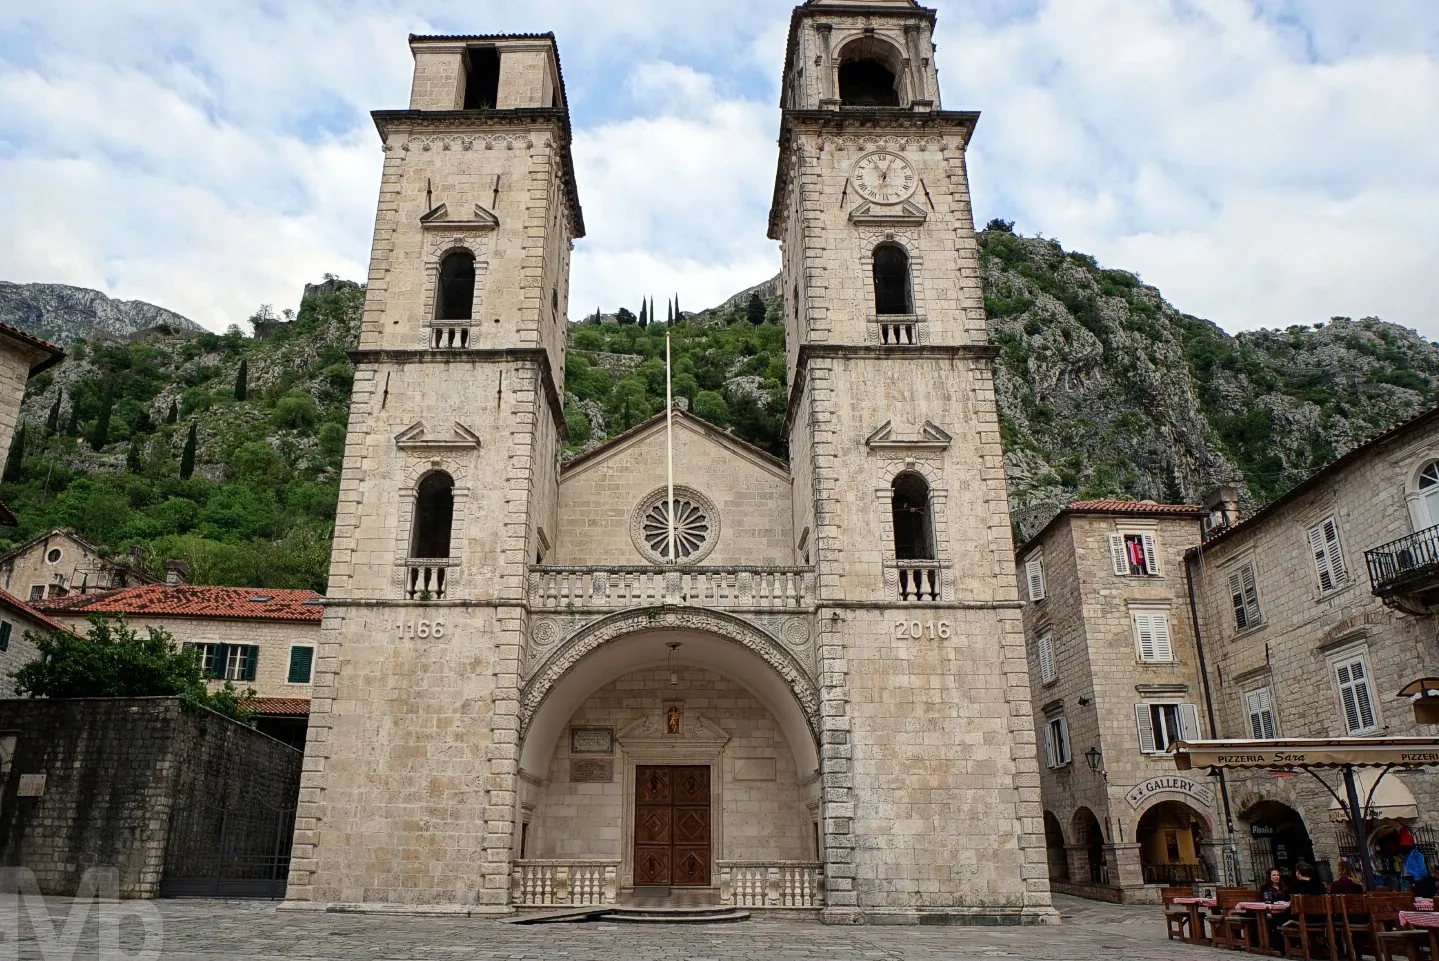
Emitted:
pixel 885 178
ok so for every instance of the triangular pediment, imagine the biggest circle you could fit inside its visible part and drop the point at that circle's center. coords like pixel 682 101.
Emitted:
pixel 482 218
pixel 929 437
pixel 907 214
pixel 688 429
pixel 419 437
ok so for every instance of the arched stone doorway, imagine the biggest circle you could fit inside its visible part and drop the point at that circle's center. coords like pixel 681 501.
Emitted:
pixel 1171 835
pixel 1278 838
pixel 669 767
pixel 1054 848
pixel 1089 838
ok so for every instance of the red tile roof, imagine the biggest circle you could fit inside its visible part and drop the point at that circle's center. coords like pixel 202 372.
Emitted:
pixel 1133 507
pixel 14 603
pixel 231 603
pixel 55 352
pixel 278 706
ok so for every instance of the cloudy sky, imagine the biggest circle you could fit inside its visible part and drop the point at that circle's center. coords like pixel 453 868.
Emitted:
pixel 1264 162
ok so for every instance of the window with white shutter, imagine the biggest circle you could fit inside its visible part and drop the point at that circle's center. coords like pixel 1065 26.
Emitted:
pixel 1056 742
pixel 1356 695
pixel 1151 555
pixel 1144 720
pixel 1034 575
pixel 1160 725
pixel 1261 714
pixel 1134 555
pixel 1151 632
pixel 1117 556
pixel 1328 558
pixel 1045 645
pixel 1244 595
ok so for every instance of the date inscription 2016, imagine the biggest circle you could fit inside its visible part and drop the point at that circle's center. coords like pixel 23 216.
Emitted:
pixel 919 630
pixel 422 629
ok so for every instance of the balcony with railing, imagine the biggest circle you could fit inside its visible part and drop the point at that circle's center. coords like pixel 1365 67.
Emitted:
pixel 1405 573
pixel 562 883
pixel 765 588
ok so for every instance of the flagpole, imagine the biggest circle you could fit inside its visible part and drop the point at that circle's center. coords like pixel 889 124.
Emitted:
pixel 670 445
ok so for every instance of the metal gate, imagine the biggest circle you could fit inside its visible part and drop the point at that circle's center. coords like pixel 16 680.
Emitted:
pixel 239 849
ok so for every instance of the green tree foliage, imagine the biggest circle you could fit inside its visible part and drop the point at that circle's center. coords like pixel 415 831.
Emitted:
pixel 111 660
pixel 242 378
pixel 100 434
pixel 623 316
pixel 755 310
pixel 644 314
pixel 296 411
pixel 134 456
pixel 16 457
pixel 1000 226
pixel 173 415
pixel 187 456
pixel 712 407
pixel 52 423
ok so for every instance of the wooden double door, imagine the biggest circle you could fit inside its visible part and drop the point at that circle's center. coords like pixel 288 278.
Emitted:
pixel 672 826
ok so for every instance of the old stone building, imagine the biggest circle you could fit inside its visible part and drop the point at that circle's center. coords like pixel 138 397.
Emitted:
pixel 793 685
pixel 1116 678
pixel 59 562
pixel 1316 611
pixel 260 640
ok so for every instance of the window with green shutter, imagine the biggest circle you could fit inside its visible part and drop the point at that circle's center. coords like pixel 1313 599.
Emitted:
pixel 301 659
pixel 252 658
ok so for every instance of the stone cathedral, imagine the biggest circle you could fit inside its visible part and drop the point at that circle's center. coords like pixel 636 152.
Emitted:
pixel 815 696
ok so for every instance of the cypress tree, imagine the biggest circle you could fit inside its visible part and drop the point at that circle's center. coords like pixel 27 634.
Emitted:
pixel 72 428
pixel 669 314
pixel 677 307
pixel 52 423
pixel 644 313
pixel 187 456
pixel 755 310
pixel 242 379
pixel 16 457
pixel 133 462
pixel 100 435
pixel 174 415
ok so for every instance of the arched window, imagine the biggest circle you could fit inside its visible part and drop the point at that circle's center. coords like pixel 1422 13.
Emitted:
pixel 456 295
pixel 434 515
pixel 869 74
pixel 1429 491
pixel 913 518
pixel 891 280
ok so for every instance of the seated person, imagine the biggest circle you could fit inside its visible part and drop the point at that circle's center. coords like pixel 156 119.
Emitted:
pixel 1346 883
pixel 1274 889
pixel 1304 880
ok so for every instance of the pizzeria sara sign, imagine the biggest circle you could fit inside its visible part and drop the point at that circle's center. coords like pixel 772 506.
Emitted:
pixel 1144 790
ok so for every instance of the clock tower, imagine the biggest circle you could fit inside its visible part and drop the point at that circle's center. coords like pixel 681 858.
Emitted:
pixel 931 807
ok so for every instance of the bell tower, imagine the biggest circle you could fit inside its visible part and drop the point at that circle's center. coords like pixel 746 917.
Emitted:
pixel 449 487
pixel 931 807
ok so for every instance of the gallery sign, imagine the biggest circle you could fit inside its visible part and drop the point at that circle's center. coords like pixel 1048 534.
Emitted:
pixel 1169 784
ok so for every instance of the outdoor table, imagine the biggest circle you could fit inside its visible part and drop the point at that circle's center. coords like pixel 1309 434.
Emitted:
pixel 1428 920
pixel 1196 922
pixel 1263 907
pixel 1423 904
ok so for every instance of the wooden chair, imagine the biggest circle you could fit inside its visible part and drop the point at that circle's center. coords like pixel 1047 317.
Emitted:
pixel 1230 930
pixel 1177 917
pixel 1310 927
pixel 1354 925
pixel 1391 939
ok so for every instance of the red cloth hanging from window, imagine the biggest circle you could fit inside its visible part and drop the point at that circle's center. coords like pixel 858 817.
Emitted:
pixel 1136 553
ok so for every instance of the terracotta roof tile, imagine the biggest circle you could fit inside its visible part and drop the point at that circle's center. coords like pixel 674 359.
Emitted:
pixel 55 352
pixel 233 603
pixel 280 706
pixel 1134 507
pixel 14 603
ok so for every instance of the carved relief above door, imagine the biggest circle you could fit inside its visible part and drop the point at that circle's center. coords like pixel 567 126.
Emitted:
pixel 672 826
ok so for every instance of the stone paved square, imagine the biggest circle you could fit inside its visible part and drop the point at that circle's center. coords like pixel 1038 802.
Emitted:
pixel 235 929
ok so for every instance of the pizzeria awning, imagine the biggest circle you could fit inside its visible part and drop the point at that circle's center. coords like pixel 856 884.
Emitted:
pixel 1389 798
pixel 1288 754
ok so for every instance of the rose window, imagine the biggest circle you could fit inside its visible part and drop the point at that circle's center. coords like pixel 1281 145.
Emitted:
pixel 692 529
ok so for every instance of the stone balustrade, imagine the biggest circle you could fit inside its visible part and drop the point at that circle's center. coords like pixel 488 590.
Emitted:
pixel 771 588
pixel 425 578
pixel 771 884
pixel 539 884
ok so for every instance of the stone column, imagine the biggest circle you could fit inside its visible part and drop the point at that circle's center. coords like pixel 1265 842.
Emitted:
pixel 1078 855
pixel 1126 871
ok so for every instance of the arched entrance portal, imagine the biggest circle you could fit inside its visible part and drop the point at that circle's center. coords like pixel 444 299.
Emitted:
pixel 1054 848
pixel 1170 836
pixel 671 766
pixel 1277 838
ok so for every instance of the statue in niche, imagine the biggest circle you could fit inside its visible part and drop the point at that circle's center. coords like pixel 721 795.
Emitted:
pixel 672 719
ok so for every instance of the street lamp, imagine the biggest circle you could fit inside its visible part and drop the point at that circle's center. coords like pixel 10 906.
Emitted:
pixel 1093 757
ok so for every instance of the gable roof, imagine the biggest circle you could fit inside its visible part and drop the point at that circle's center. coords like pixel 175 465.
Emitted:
pixel 42 538
pixel 1425 421
pixel 51 354
pixel 1112 507
pixel 742 447
pixel 11 602
pixel 223 603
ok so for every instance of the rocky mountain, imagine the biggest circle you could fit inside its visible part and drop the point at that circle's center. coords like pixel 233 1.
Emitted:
pixel 62 314
pixel 1105 390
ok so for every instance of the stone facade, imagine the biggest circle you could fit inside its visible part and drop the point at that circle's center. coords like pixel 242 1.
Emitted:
pixel 1092 680
pixel 57 563
pixel 853 702
pixel 17 619
pixel 98 783
pixel 21 357
pixel 1301 633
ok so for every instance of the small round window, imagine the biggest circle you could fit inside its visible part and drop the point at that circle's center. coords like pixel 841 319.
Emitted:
pixel 54 556
pixel 696 526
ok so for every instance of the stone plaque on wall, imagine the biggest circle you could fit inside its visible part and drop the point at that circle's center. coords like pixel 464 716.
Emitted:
pixel 31 785
pixel 754 769
pixel 591 770
pixel 592 740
